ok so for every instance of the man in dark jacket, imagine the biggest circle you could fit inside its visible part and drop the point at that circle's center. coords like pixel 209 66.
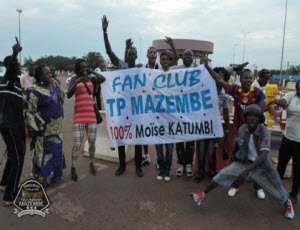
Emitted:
pixel 12 126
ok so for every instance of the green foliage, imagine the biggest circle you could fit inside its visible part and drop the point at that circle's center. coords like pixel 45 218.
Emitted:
pixel 94 60
pixel 66 63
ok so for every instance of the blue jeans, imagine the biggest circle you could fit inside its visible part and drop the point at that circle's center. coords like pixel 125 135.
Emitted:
pixel 164 162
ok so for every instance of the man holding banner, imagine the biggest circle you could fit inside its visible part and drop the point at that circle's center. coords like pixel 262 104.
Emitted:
pixel 131 58
pixel 185 154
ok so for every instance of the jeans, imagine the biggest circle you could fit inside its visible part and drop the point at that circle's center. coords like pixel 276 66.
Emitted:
pixel 206 146
pixel 185 153
pixel 164 162
pixel 287 150
pixel 137 156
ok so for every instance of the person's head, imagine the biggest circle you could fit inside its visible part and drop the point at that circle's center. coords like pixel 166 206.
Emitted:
pixel 298 88
pixel 188 57
pixel 80 67
pixel 152 54
pixel 223 73
pixel 166 58
pixel 131 54
pixel 42 75
pixel 246 79
pixel 253 116
pixel 6 60
pixel 31 71
pixel 264 77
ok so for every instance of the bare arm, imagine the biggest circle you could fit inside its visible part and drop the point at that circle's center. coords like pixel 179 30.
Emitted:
pixel 214 75
pixel 261 157
pixel 114 59
pixel 99 77
pixel 11 73
pixel 72 87
pixel 174 50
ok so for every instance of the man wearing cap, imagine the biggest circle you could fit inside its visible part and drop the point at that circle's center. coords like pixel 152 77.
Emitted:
pixel 251 162
pixel 263 79
pixel 131 58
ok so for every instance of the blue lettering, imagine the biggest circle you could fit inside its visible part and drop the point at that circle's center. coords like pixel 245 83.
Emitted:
pixel 120 105
pixel 138 80
pixel 160 99
pixel 127 81
pixel 116 83
pixel 111 108
pixel 149 104
pixel 195 102
pixel 137 106
pixel 170 104
pixel 182 106
pixel 169 81
pixel 205 99
pixel 193 75
pixel 156 84
pixel 183 80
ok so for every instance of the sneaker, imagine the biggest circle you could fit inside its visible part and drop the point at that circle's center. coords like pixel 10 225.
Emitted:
pixel 167 177
pixel 198 197
pixel 260 194
pixel 74 174
pixel 160 176
pixel 289 211
pixel 189 170
pixel 146 160
pixel 92 169
pixel 2 188
pixel 232 191
pixel 180 169
pixel 139 172
pixel 120 171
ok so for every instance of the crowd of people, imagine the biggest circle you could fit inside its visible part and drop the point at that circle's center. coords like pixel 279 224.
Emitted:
pixel 36 102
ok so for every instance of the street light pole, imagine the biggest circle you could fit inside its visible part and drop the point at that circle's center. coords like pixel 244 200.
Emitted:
pixel 233 54
pixel 282 50
pixel 245 34
pixel 19 11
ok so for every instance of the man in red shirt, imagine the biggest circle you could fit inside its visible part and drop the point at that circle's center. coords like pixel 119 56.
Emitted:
pixel 243 95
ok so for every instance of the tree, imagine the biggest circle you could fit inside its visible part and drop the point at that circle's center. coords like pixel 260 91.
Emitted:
pixel 28 62
pixel 94 60
pixel 294 70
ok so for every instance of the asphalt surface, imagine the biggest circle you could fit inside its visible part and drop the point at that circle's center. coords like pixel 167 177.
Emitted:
pixel 105 201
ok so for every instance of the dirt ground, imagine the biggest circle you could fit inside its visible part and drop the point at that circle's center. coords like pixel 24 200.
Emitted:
pixel 105 201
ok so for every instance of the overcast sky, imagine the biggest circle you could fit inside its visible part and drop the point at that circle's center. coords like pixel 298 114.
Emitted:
pixel 73 27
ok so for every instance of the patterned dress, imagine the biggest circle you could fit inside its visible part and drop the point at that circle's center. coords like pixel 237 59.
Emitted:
pixel 44 114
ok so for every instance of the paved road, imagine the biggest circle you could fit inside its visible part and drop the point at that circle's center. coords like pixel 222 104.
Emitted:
pixel 128 202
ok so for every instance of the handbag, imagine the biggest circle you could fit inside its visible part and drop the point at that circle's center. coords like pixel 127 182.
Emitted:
pixel 97 113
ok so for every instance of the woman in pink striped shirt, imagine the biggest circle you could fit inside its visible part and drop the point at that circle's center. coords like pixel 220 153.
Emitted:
pixel 82 85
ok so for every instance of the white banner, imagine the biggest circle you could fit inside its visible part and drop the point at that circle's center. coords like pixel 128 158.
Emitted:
pixel 146 106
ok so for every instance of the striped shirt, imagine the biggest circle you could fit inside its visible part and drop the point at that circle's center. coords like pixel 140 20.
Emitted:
pixel 84 112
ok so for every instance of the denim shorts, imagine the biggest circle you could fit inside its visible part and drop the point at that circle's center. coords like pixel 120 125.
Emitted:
pixel 232 171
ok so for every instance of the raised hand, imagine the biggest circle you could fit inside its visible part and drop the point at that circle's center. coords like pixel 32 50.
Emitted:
pixel 204 59
pixel 129 43
pixel 169 41
pixel 16 47
pixel 104 23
